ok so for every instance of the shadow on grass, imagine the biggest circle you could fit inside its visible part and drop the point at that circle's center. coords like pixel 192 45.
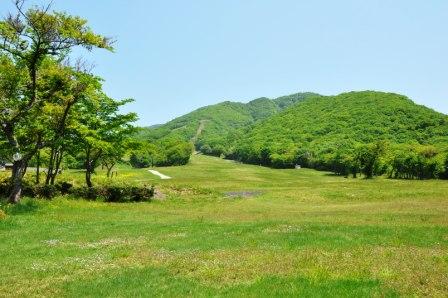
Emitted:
pixel 152 281
pixel 26 206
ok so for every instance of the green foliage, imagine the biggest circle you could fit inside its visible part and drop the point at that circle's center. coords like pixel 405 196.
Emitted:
pixel 416 162
pixel 213 129
pixel 42 191
pixel 36 89
pixel 368 157
pixel 121 193
pixel 350 133
pixel 166 152
pixel 51 33
pixel 342 133
pixel 64 187
pixel 5 186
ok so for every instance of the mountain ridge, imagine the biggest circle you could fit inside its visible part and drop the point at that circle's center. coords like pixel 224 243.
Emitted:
pixel 220 119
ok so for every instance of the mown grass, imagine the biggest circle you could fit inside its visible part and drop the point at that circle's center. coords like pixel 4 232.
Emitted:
pixel 305 233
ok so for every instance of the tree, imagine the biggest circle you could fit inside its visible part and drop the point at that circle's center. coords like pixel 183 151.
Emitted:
pixel 368 157
pixel 147 155
pixel 179 154
pixel 121 146
pixel 27 39
pixel 101 129
pixel 69 87
pixel 416 162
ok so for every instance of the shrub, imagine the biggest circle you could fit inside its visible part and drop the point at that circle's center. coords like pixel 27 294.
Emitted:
pixel 115 193
pixel 4 187
pixel 2 214
pixel 140 160
pixel 142 194
pixel 88 193
pixel 46 191
pixel 64 187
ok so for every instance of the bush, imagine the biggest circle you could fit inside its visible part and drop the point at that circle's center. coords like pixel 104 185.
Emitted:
pixel 40 191
pixel 4 187
pixel 140 160
pixel 88 193
pixel 45 191
pixel 115 193
pixel 124 194
pixel 142 194
pixel 64 187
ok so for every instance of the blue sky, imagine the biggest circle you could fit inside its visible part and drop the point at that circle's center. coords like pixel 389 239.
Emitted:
pixel 173 56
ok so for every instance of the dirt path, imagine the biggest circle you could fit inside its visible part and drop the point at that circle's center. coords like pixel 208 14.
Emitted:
pixel 157 173
pixel 199 131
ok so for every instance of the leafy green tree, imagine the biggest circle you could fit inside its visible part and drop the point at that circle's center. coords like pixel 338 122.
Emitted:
pixel 64 87
pixel 416 162
pixel 369 156
pixel 101 129
pixel 147 155
pixel 27 39
pixel 179 154
pixel 121 145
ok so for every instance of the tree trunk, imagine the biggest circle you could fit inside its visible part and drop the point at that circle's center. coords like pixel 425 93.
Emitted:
pixel 89 176
pixel 18 171
pixel 38 167
pixel 109 168
pixel 88 164
pixel 58 165
pixel 50 166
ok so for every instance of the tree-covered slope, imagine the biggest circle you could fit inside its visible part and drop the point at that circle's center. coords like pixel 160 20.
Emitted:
pixel 210 126
pixel 325 124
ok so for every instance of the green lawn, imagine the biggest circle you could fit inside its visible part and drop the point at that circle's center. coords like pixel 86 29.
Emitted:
pixel 305 233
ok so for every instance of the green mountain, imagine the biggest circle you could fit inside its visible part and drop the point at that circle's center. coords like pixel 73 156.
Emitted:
pixel 322 125
pixel 367 132
pixel 211 127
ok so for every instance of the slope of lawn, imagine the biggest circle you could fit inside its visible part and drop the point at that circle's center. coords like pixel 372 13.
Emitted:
pixel 281 233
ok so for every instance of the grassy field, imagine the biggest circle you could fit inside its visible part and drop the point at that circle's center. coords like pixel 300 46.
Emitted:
pixel 299 233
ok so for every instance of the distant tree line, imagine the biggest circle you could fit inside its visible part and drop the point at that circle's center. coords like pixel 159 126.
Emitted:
pixel 400 161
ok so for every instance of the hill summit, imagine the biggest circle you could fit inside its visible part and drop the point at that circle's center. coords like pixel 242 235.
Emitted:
pixel 211 127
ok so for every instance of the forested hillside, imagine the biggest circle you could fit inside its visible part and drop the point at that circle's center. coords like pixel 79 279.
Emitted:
pixel 357 132
pixel 323 131
pixel 211 127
